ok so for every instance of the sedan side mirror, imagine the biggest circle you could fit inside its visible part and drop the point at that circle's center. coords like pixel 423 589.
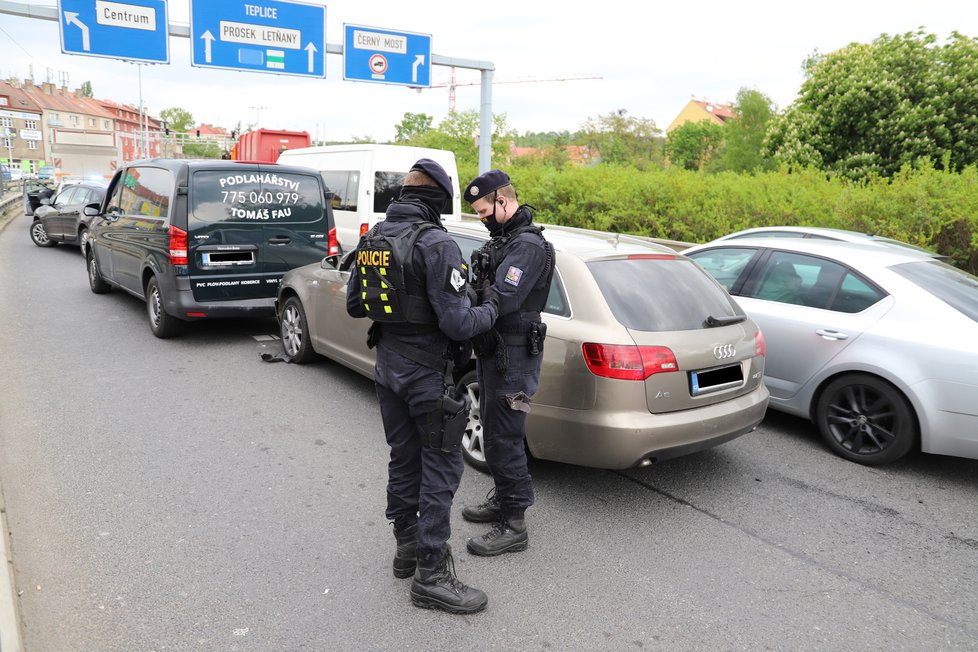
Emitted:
pixel 91 210
pixel 330 262
pixel 46 201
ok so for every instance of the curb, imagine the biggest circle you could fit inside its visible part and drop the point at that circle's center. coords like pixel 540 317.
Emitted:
pixel 10 639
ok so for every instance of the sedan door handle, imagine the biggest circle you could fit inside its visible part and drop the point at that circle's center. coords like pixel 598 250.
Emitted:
pixel 828 334
pixel 280 240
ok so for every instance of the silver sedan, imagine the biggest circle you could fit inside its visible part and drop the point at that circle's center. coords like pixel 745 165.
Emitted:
pixel 877 345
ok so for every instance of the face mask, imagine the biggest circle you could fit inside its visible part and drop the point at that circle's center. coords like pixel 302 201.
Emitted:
pixel 490 220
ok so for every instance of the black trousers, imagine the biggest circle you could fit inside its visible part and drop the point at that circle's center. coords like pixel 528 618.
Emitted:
pixel 504 402
pixel 422 481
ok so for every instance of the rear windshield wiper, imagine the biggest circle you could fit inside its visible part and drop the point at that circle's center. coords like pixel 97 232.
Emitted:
pixel 712 322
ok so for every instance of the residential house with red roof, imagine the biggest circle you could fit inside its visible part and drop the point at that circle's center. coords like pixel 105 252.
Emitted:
pixel 129 133
pixel 79 132
pixel 700 110
pixel 21 133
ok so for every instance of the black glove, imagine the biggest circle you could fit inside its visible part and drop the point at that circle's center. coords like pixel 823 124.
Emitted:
pixel 485 344
pixel 488 295
pixel 471 294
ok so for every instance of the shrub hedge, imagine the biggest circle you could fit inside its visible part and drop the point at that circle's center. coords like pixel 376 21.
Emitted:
pixel 921 205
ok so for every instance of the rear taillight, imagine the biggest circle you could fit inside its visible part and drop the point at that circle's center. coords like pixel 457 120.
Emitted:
pixel 363 229
pixel 333 244
pixel 628 362
pixel 178 246
pixel 760 347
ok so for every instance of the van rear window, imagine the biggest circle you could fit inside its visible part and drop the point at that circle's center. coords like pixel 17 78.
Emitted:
pixel 253 196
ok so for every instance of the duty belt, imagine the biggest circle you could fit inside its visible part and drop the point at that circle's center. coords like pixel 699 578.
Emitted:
pixel 422 357
pixel 514 339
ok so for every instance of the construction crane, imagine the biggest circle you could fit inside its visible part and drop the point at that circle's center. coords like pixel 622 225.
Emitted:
pixel 452 84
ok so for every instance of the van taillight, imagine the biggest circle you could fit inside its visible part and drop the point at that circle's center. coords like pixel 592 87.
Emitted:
pixel 363 229
pixel 760 346
pixel 628 362
pixel 333 244
pixel 178 246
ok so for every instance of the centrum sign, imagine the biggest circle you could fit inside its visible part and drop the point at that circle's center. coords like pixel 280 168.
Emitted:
pixel 259 36
pixel 134 30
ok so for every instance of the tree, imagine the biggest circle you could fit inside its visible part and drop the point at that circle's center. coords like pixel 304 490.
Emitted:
pixel 86 89
pixel 413 125
pixel 871 108
pixel 624 140
pixel 459 133
pixel 744 134
pixel 177 119
pixel 693 144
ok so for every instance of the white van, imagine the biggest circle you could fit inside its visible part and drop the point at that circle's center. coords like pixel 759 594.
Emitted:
pixel 365 178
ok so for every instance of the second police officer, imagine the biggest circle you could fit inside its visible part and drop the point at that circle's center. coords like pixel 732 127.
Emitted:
pixel 410 279
pixel 514 269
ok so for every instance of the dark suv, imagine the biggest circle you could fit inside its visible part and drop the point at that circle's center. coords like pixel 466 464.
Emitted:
pixel 203 239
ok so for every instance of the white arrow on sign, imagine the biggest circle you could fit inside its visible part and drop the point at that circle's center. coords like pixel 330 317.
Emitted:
pixel 208 39
pixel 418 61
pixel 71 18
pixel 311 49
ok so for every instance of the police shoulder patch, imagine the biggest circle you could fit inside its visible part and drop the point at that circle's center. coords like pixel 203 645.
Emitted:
pixel 456 280
pixel 513 276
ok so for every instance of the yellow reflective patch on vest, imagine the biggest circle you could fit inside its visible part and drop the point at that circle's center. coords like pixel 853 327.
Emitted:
pixel 363 295
pixel 383 285
pixel 364 282
pixel 366 307
pixel 383 297
pixel 363 270
pixel 388 310
pixel 383 271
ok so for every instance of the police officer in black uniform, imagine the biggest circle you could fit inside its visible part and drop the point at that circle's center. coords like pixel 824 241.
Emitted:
pixel 410 279
pixel 514 269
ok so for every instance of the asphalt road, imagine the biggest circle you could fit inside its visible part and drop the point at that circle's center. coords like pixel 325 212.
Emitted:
pixel 184 495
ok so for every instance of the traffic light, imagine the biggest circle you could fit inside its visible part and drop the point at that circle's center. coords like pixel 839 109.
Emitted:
pixel 198 133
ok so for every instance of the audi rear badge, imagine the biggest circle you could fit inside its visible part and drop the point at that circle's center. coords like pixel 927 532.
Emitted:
pixel 724 351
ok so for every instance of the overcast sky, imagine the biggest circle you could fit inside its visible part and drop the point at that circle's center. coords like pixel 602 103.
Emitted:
pixel 653 57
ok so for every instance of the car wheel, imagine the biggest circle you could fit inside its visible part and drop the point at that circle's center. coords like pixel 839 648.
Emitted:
pixel 39 236
pixel 83 240
pixel 295 332
pixel 866 419
pixel 473 444
pixel 161 323
pixel 95 280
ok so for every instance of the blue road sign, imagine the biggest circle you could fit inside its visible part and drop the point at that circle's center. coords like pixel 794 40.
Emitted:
pixel 285 38
pixel 386 57
pixel 134 30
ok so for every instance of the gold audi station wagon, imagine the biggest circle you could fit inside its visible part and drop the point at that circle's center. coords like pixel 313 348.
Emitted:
pixel 646 358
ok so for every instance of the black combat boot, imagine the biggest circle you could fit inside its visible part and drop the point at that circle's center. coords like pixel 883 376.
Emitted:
pixel 435 586
pixel 405 559
pixel 487 512
pixel 507 535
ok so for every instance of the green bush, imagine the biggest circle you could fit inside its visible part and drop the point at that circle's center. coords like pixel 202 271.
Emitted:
pixel 922 205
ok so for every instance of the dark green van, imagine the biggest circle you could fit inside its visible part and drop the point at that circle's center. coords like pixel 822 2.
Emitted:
pixel 207 239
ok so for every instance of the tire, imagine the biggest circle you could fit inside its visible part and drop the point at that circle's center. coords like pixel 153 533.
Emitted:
pixel 294 330
pixel 866 419
pixel 83 240
pixel 473 444
pixel 39 236
pixel 162 324
pixel 95 280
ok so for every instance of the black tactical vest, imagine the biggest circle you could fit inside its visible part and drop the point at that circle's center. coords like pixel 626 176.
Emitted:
pixel 536 300
pixel 391 291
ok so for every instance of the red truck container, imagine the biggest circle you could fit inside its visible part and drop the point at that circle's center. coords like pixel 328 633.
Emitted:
pixel 267 144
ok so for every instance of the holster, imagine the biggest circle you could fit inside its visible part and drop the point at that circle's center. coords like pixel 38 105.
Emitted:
pixel 373 335
pixel 534 341
pixel 443 427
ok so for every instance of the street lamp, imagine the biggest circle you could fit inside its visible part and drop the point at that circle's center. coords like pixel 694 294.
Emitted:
pixel 258 110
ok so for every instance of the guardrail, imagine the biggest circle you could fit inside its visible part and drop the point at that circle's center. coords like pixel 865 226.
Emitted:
pixel 12 197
